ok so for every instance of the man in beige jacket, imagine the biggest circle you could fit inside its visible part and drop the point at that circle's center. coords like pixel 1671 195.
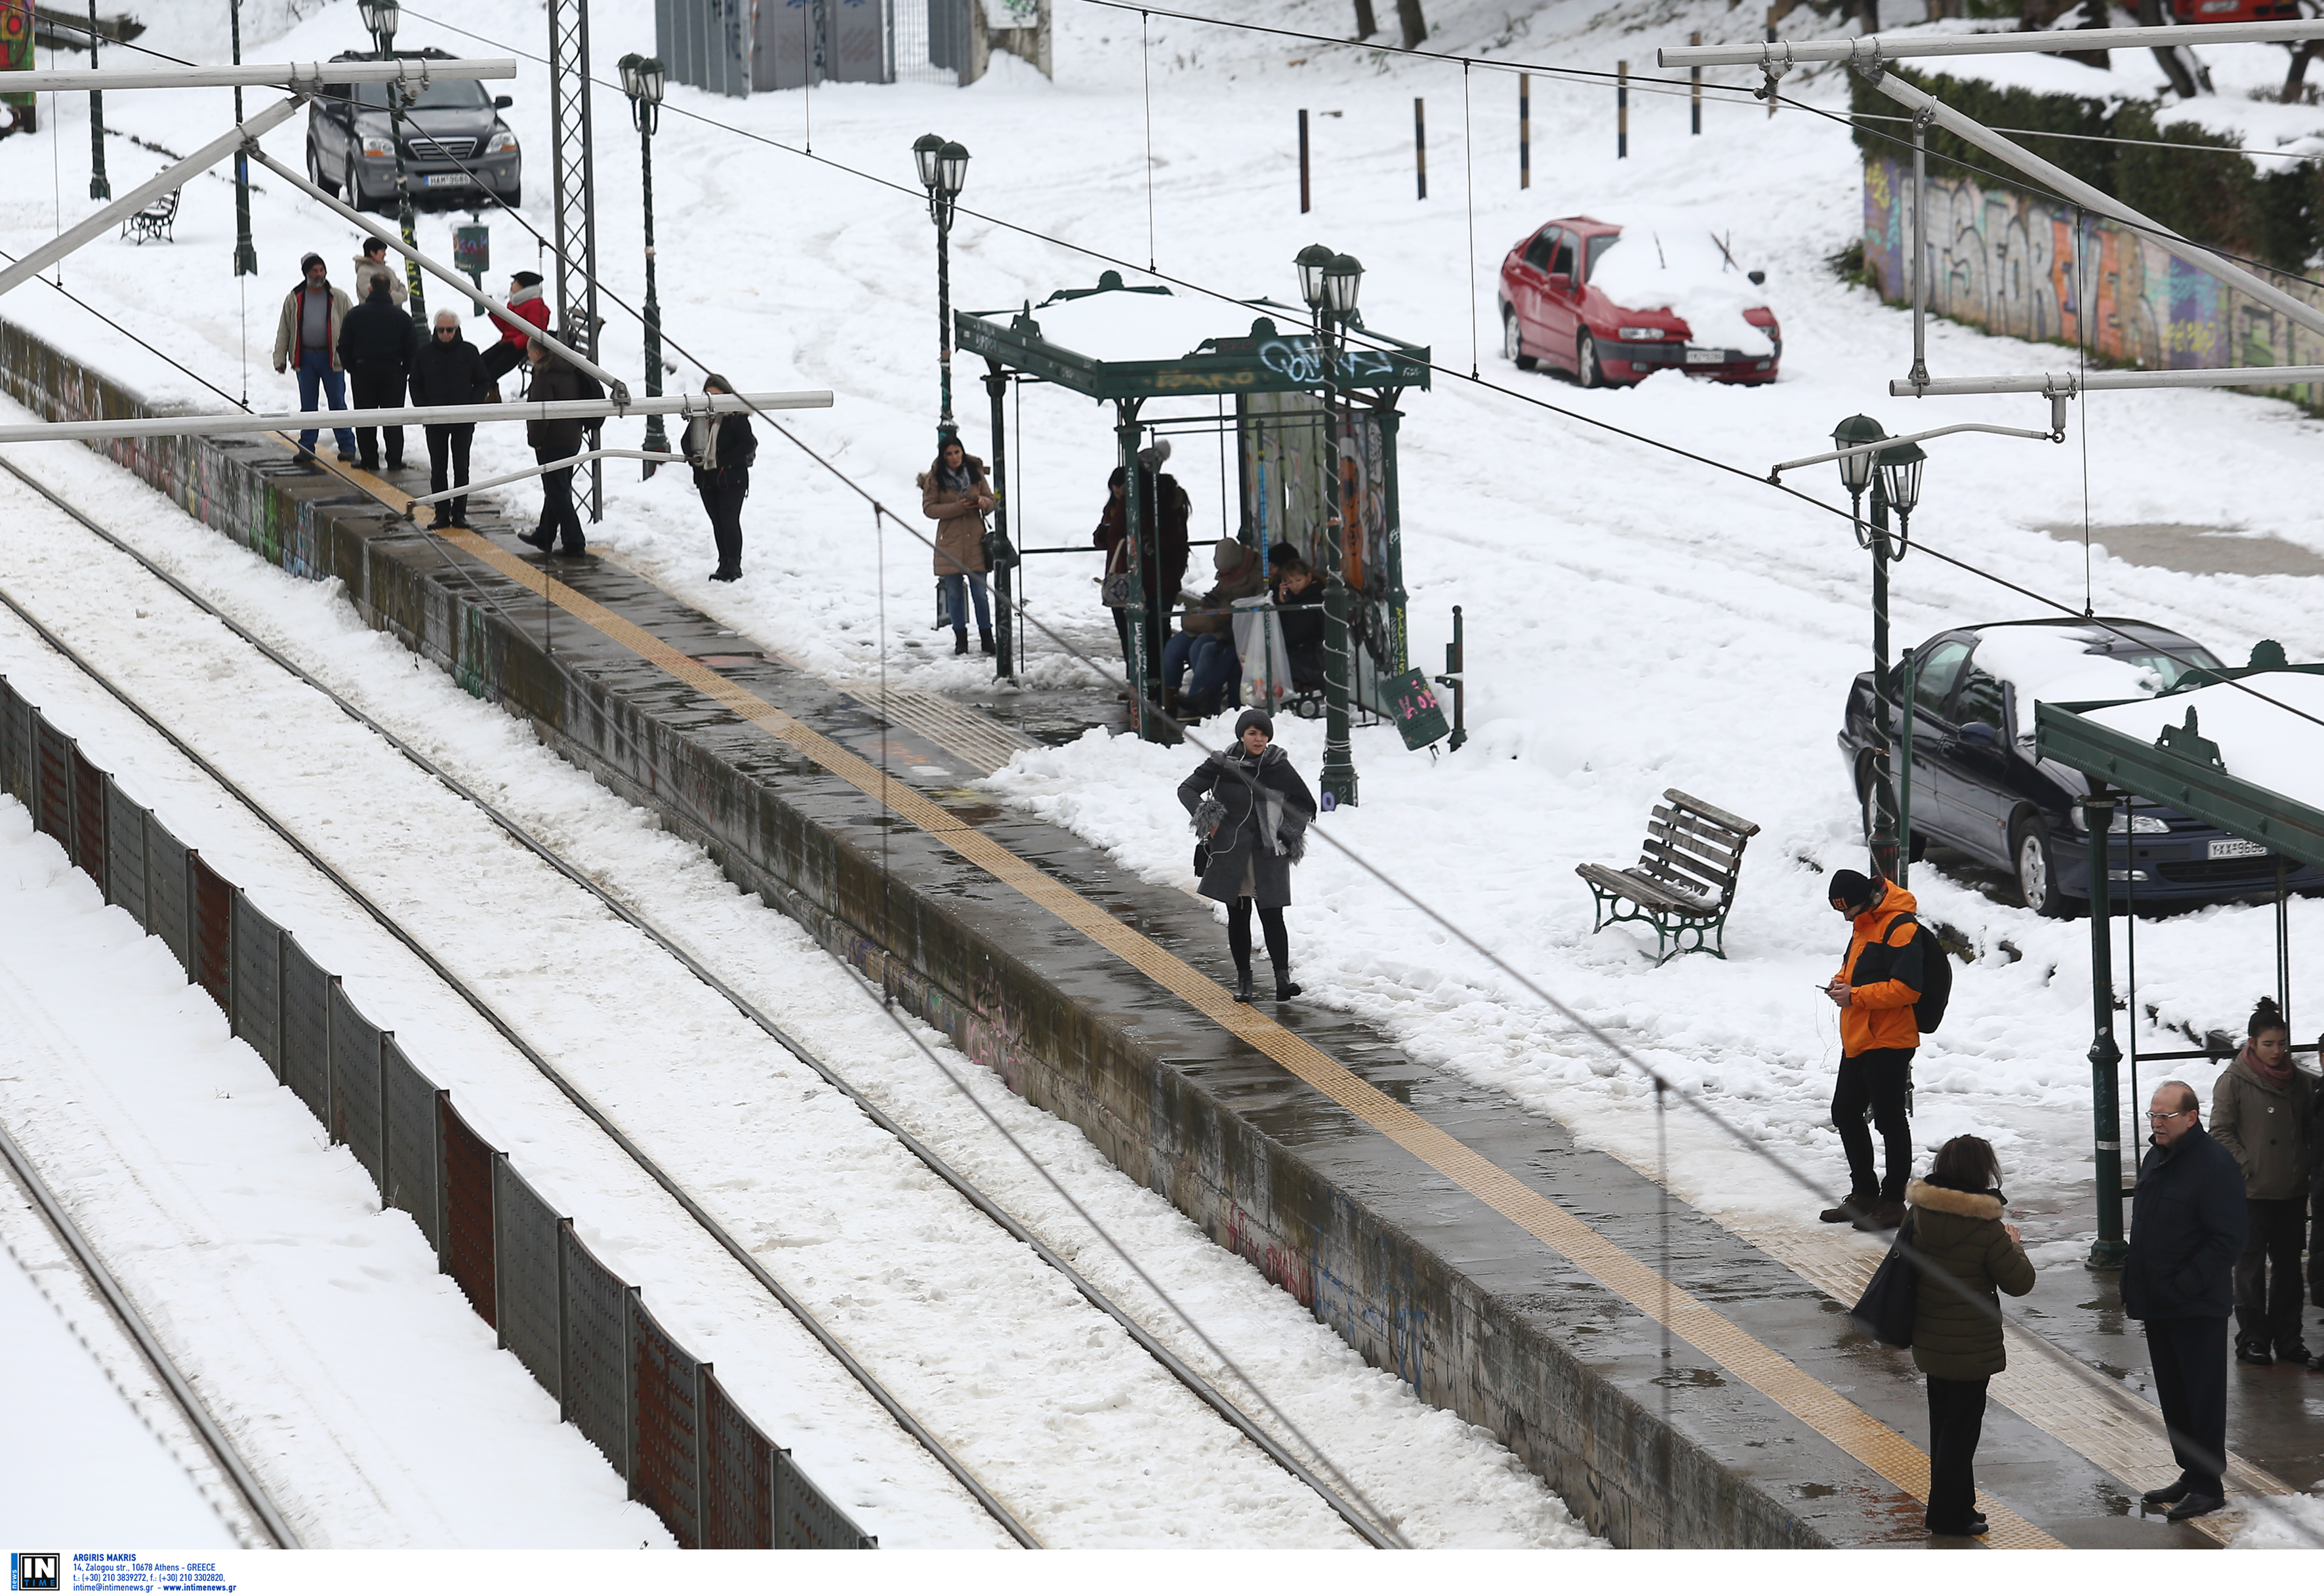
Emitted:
pixel 306 335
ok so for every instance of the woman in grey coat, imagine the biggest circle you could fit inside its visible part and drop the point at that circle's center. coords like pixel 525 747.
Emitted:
pixel 1251 812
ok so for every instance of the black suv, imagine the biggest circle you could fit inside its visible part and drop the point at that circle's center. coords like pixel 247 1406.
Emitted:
pixel 1978 788
pixel 457 151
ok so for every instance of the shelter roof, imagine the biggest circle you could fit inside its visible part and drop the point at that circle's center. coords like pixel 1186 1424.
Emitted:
pixel 1117 341
pixel 2250 764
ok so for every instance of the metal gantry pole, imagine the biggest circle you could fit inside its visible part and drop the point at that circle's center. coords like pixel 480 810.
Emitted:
pixel 572 129
pixel 1923 258
pixel 245 253
pixel 100 188
pixel 2108 1250
pixel 1338 778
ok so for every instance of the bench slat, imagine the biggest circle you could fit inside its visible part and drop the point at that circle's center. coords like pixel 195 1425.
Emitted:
pixel 1664 861
pixel 1644 890
pixel 1651 869
pixel 1679 820
pixel 1712 853
pixel 1711 812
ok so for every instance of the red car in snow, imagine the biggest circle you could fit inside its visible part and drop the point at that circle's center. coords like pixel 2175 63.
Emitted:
pixel 1571 300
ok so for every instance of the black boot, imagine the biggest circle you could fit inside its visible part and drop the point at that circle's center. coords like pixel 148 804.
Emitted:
pixel 1285 989
pixel 1242 985
pixel 960 639
pixel 985 640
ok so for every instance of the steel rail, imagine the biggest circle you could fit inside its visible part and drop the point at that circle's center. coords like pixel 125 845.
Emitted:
pixel 1873 47
pixel 831 1343
pixel 419 415
pixel 1223 1406
pixel 303 76
pixel 245 1483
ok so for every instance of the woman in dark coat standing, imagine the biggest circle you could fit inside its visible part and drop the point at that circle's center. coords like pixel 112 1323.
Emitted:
pixel 1957 1229
pixel 722 448
pixel 1252 810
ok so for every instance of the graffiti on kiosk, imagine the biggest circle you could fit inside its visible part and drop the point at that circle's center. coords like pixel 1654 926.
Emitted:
pixel 1301 360
pixel 2027 268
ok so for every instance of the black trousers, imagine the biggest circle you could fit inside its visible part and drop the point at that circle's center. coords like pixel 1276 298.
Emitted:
pixel 1877 1080
pixel 2190 1382
pixel 723 496
pixel 449 444
pixel 2316 1248
pixel 501 359
pixel 375 391
pixel 559 518
pixel 1270 922
pixel 1955 1419
pixel 2267 1276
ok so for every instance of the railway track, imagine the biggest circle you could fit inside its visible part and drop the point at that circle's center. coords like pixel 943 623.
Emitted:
pixel 256 1521
pixel 1365 1524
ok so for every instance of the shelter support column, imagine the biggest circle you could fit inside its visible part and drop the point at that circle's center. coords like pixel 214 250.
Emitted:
pixel 1143 715
pixel 2106 1107
pixel 1004 620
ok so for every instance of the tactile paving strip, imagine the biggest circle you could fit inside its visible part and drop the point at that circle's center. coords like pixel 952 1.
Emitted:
pixel 1856 1432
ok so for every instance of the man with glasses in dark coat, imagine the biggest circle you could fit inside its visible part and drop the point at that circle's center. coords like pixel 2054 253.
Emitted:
pixel 2188 1228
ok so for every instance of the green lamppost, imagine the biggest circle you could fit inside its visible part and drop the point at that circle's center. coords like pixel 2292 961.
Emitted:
pixel 642 81
pixel 99 187
pixel 1894 476
pixel 944 172
pixel 382 17
pixel 1330 283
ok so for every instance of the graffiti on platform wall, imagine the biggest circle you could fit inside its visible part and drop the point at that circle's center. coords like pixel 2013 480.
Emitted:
pixel 2028 268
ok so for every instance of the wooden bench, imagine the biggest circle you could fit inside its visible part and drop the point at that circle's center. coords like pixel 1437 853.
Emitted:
pixel 159 219
pixel 1683 881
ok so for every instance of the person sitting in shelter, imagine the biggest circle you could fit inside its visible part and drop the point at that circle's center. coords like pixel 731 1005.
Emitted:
pixel 1206 645
pixel 1298 601
pixel 524 299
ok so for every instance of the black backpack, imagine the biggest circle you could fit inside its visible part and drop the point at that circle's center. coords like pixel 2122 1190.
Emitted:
pixel 1936 973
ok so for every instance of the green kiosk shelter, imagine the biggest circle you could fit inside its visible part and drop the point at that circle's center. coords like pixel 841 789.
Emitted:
pixel 2229 747
pixel 1314 421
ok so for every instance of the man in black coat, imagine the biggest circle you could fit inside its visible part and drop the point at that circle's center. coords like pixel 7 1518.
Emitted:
pixel 448 370
pixel 555 382
pixel 2188 1228
pixel 375 343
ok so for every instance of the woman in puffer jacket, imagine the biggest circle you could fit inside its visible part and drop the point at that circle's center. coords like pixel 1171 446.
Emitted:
pixel 1965 1252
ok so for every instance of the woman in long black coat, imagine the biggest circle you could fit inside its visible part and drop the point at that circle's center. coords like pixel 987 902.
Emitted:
pixel 1252 809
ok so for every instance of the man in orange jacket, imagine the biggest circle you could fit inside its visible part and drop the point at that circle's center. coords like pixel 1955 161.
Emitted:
pixel 1879 982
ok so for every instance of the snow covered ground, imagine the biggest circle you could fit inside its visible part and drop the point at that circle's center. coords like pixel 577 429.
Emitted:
pixel 1634 620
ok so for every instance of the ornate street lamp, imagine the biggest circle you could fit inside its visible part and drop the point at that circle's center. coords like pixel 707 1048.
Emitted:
pixel 643 79
pixel 1868 467
pixel 942 165
pixel 1330 284
pixel 382 17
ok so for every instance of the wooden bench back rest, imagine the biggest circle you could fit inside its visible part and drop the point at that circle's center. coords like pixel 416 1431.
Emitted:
pixel 1694 846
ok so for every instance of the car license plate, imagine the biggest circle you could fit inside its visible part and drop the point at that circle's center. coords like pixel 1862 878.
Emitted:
pixel 448 180
pixel 1705 356
pixel 2235 847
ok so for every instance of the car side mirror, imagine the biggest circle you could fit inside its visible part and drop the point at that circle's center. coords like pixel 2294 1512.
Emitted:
pixel 1981 734
pixel 501 102
pixel 1562 281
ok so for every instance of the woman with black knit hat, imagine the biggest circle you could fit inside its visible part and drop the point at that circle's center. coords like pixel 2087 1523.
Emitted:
pixel 1251 812
pixel 722 448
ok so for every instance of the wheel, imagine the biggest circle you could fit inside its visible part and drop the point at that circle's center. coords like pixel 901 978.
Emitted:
pixel 1513 341
pixel 1586 370
pixel 315 172
pixel 2037 872
pixel 355 194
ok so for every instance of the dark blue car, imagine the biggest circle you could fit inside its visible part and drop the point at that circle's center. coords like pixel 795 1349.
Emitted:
pixel 1978 788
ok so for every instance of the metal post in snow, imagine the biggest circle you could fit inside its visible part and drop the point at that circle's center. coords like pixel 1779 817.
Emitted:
pixel 1420 142
pixel 245 253
pixel 1771 39
pixel 656 438
pixel 1695 91
pixel 100 188
pixel 1924 258
pixel 1303 197
pixel 2105 1108
pixel 1142 717
pixel 1621 110
pixel 1904 775
pixel 1004 665
pixel 1525 129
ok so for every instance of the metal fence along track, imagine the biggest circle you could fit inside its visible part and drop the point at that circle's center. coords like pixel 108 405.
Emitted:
pixel 470 1204
pixel 1217 1401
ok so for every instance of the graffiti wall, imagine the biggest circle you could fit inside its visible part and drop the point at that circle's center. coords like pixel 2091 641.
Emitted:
pixel 2040 270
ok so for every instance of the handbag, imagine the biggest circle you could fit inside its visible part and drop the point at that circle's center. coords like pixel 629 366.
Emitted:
pixel 1215 813
pixel 1891 1298
pixel 1120 587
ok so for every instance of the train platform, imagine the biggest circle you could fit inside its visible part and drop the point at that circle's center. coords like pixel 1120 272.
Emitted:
pixel 1680 1381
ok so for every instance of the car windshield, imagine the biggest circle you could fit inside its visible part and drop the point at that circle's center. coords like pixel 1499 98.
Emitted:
pixel 454 93
pixel 2055 664
pixel 2172 668
pixel 1598 248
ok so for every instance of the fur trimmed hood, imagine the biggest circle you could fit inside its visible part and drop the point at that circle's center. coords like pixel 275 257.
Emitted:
pixel 1939 1199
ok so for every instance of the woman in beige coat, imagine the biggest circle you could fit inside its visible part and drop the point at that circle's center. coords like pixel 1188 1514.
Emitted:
pixel 954 493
